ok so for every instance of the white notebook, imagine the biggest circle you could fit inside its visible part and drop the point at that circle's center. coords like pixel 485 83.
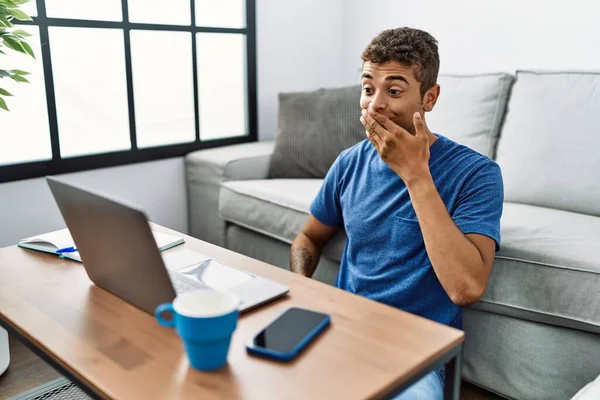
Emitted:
pixel 53 241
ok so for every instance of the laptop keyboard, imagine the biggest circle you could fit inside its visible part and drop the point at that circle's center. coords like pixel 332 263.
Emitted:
pixel 182 285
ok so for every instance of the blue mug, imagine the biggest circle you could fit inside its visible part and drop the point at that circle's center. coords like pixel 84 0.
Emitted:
pixel 205 321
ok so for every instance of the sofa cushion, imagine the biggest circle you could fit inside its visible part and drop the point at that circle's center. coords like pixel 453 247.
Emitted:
pixel 313 129
pixel 206 169
pixel 549 148
pixel 274 207
pixel 470 109
pixel 548 268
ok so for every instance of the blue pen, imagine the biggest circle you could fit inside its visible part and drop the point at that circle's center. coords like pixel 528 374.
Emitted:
pixel 66 250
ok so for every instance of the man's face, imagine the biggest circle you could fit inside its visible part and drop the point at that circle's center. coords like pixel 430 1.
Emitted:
pixel 392 89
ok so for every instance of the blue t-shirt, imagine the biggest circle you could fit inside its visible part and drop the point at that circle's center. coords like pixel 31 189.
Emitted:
pixel 385 257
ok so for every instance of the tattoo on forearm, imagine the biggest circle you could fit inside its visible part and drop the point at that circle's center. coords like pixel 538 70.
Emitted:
pixel 301 260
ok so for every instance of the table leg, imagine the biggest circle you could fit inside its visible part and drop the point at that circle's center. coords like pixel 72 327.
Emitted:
pixel 452 377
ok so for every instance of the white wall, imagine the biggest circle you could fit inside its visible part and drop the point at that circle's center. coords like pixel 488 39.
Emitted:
pixel 306 44
pixel 299 48
pixel 483 36
pixel 27 207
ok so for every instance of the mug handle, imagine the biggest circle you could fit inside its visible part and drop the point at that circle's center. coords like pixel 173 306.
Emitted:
pixel 161 308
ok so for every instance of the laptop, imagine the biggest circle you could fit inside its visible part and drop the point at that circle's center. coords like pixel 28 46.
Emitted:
pixel 120 255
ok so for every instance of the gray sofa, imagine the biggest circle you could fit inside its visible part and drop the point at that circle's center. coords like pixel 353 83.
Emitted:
pixel 535 333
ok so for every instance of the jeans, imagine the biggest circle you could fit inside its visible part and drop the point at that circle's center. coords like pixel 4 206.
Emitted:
pixel 430 387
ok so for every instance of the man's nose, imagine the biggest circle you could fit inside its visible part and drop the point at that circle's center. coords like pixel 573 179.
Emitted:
pixel 378 103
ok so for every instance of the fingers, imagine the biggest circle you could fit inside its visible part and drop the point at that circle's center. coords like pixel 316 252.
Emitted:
pixel 420 131
pixel 375 132
pixel 375 141
pixel 372 135
pixel 373 126
pixel 385 122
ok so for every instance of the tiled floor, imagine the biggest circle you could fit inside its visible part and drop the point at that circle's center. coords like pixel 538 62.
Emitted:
pixel 27 371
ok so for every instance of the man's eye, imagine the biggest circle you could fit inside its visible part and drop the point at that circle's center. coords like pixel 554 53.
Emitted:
pixel 395 92
pixel 368 90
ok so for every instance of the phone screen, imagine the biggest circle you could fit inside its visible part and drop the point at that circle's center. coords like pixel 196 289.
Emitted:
pixel 284 334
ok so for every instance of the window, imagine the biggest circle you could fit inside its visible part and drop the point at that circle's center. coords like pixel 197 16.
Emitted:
pixel 122 81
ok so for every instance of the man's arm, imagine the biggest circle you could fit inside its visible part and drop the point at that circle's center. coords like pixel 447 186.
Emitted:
pixel 462 263
pixel 307 247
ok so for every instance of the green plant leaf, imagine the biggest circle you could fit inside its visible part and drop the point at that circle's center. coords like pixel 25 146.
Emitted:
pixel 3 104
pixel 19 2
pixel 19 72
pixel 19 78
pixel 5 92
pixel 10 35
pixel 5 12
pixel 21 33
pixel 13 44
pixel 15 38
pixel 20 15
pixel 8 3
pixel 4 73
pixel 5 21
pixel 28 49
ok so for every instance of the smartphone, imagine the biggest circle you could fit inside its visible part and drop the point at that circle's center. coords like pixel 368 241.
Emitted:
pixel 286 336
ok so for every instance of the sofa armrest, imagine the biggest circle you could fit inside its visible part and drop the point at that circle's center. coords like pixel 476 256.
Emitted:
pixel 207 169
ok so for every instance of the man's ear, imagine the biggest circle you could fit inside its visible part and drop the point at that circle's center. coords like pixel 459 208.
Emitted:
pixel 430 97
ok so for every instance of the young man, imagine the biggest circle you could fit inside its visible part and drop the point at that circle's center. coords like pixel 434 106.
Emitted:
pixel 421 212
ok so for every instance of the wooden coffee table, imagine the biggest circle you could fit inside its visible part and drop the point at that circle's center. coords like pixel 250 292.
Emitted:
pixel 113 350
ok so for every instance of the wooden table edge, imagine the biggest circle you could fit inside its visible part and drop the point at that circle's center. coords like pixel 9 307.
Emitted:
pixel 49 357
pixel 395 388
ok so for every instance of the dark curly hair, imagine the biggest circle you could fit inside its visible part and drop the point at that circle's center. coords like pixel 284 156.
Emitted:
pixel 411 47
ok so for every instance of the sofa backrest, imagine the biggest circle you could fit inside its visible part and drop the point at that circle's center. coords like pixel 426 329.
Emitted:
pixel 313 129
pixel 549 147
pixel 470 109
